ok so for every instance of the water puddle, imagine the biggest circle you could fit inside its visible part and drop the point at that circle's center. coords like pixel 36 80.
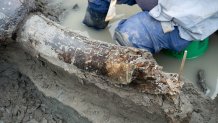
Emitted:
pixel 208 62
pixel 74 20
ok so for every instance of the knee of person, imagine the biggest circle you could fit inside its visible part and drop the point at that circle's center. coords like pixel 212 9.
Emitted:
pixel 130 25
pixel 127 30
pixel 128 34
pixel 122 26
pixel 122 34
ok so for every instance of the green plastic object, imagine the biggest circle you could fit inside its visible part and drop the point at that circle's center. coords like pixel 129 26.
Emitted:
pixel 195 49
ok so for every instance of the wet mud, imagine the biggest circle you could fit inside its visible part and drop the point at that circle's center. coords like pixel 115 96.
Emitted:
pixel 21 102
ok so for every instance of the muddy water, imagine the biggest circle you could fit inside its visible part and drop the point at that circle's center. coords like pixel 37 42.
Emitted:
pixel 208 62
pixel 74 19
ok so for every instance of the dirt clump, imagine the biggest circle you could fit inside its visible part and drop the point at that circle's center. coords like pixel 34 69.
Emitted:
pixel 205 109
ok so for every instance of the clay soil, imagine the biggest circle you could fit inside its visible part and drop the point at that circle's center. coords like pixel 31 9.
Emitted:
pixel 21 102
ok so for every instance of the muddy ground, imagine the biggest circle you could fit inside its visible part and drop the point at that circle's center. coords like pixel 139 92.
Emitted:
pixel 21 102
